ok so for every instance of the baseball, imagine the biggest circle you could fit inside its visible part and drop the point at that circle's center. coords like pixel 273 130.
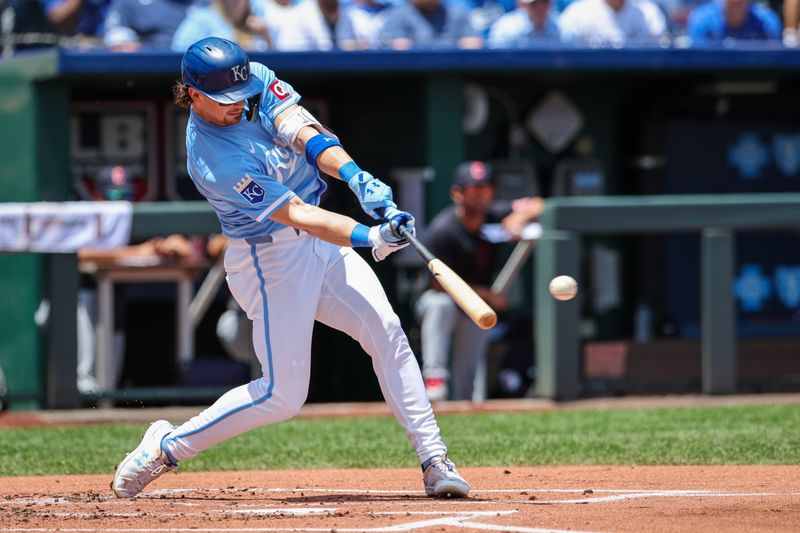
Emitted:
pixel 563 288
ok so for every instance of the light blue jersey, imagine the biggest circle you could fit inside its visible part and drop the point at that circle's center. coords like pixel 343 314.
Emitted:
pixel 245 171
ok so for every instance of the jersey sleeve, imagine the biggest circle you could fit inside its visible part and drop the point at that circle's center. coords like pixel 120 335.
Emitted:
pixel 440 238
pixel 247 190
pixel 440 246
pixel 277 95
pixel 499 210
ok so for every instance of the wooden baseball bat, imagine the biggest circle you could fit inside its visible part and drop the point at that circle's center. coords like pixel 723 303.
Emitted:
pixel 461 293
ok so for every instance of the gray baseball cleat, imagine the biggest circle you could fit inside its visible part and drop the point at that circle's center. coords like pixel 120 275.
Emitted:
pixel 144 464
pixel 442 480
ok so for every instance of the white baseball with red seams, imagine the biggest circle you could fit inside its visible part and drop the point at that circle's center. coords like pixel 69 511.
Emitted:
pixel 563 288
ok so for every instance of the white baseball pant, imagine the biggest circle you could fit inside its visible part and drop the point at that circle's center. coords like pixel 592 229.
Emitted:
pixel 283 286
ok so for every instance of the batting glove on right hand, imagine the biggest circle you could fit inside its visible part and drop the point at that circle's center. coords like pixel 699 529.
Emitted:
pixel 385 241
pixel 373 194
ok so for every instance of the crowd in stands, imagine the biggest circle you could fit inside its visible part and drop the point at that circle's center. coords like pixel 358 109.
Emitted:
pixel 300 25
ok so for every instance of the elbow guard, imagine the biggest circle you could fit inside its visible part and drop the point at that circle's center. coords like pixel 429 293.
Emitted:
pixel 298 119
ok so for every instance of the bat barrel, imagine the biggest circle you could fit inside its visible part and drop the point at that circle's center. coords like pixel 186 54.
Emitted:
pixel 462 294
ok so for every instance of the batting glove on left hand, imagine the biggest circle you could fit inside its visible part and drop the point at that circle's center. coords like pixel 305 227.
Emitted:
pixel 373 194
pixel 385 241
pixel 400 219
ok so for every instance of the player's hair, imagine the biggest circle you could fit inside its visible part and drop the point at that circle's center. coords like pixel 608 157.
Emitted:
pixel 180 93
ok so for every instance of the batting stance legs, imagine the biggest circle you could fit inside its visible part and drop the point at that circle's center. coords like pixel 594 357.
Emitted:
pixel 283 286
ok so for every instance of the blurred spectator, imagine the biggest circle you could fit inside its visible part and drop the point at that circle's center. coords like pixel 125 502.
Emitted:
pixel 429 23
pixel 135 24
pixel 720 20
pixel 319 25
pixel 24 24
pixel 484 13
pixel 273 12
pixel 369 16
pixel 84 18
pixel 230 19
pixel 531 23
pixel 654 16
pixel 791 22
pixel 453 347
pixel 676 13
pixel 604 23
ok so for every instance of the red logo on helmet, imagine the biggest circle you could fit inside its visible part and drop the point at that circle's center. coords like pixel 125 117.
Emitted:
pixel 278 90
pixel 477 170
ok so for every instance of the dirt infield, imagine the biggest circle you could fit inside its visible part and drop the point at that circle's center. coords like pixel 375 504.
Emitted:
pixel 582 499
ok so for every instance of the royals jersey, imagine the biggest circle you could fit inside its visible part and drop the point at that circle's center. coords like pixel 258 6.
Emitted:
pixel 246 171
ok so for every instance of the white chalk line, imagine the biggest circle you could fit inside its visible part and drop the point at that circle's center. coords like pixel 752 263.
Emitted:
pixel 654 494
pixel 167 492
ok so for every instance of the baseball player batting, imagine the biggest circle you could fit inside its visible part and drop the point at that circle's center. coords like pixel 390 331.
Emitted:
pixel 256 155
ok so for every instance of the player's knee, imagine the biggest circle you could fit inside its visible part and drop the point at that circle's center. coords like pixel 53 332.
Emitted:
pixel 291 401
pixel 293 407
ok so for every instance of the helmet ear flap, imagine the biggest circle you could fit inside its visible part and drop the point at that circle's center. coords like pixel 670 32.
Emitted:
pixel 253 104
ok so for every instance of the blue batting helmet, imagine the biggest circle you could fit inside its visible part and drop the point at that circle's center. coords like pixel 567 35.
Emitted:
pixel 219 69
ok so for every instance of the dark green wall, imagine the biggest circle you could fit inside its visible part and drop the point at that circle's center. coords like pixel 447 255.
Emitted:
pixel 34 151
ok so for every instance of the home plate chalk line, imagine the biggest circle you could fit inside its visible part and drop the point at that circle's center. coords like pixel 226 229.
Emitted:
pixel 461 519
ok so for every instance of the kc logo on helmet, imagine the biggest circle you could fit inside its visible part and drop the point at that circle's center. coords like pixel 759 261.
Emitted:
pixel 278 90
pixel 250 190
pixel 240 73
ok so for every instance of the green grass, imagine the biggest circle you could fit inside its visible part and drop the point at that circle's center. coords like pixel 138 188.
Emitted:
pixel 712 435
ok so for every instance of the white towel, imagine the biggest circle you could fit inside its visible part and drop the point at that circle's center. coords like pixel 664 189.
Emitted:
pixel 64 227
pixel 13 233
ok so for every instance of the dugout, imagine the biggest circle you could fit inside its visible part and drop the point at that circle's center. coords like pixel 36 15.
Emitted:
pixel 613 121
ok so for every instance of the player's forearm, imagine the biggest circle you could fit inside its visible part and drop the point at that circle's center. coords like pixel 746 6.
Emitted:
pixel 326 225
pixel 333 159
pixel 790 14
pixel 497 301
pixel 524 211
pixel 326 153
pixel 65 16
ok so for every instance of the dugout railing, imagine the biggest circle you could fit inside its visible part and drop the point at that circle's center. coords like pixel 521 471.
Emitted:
pixel 716 218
